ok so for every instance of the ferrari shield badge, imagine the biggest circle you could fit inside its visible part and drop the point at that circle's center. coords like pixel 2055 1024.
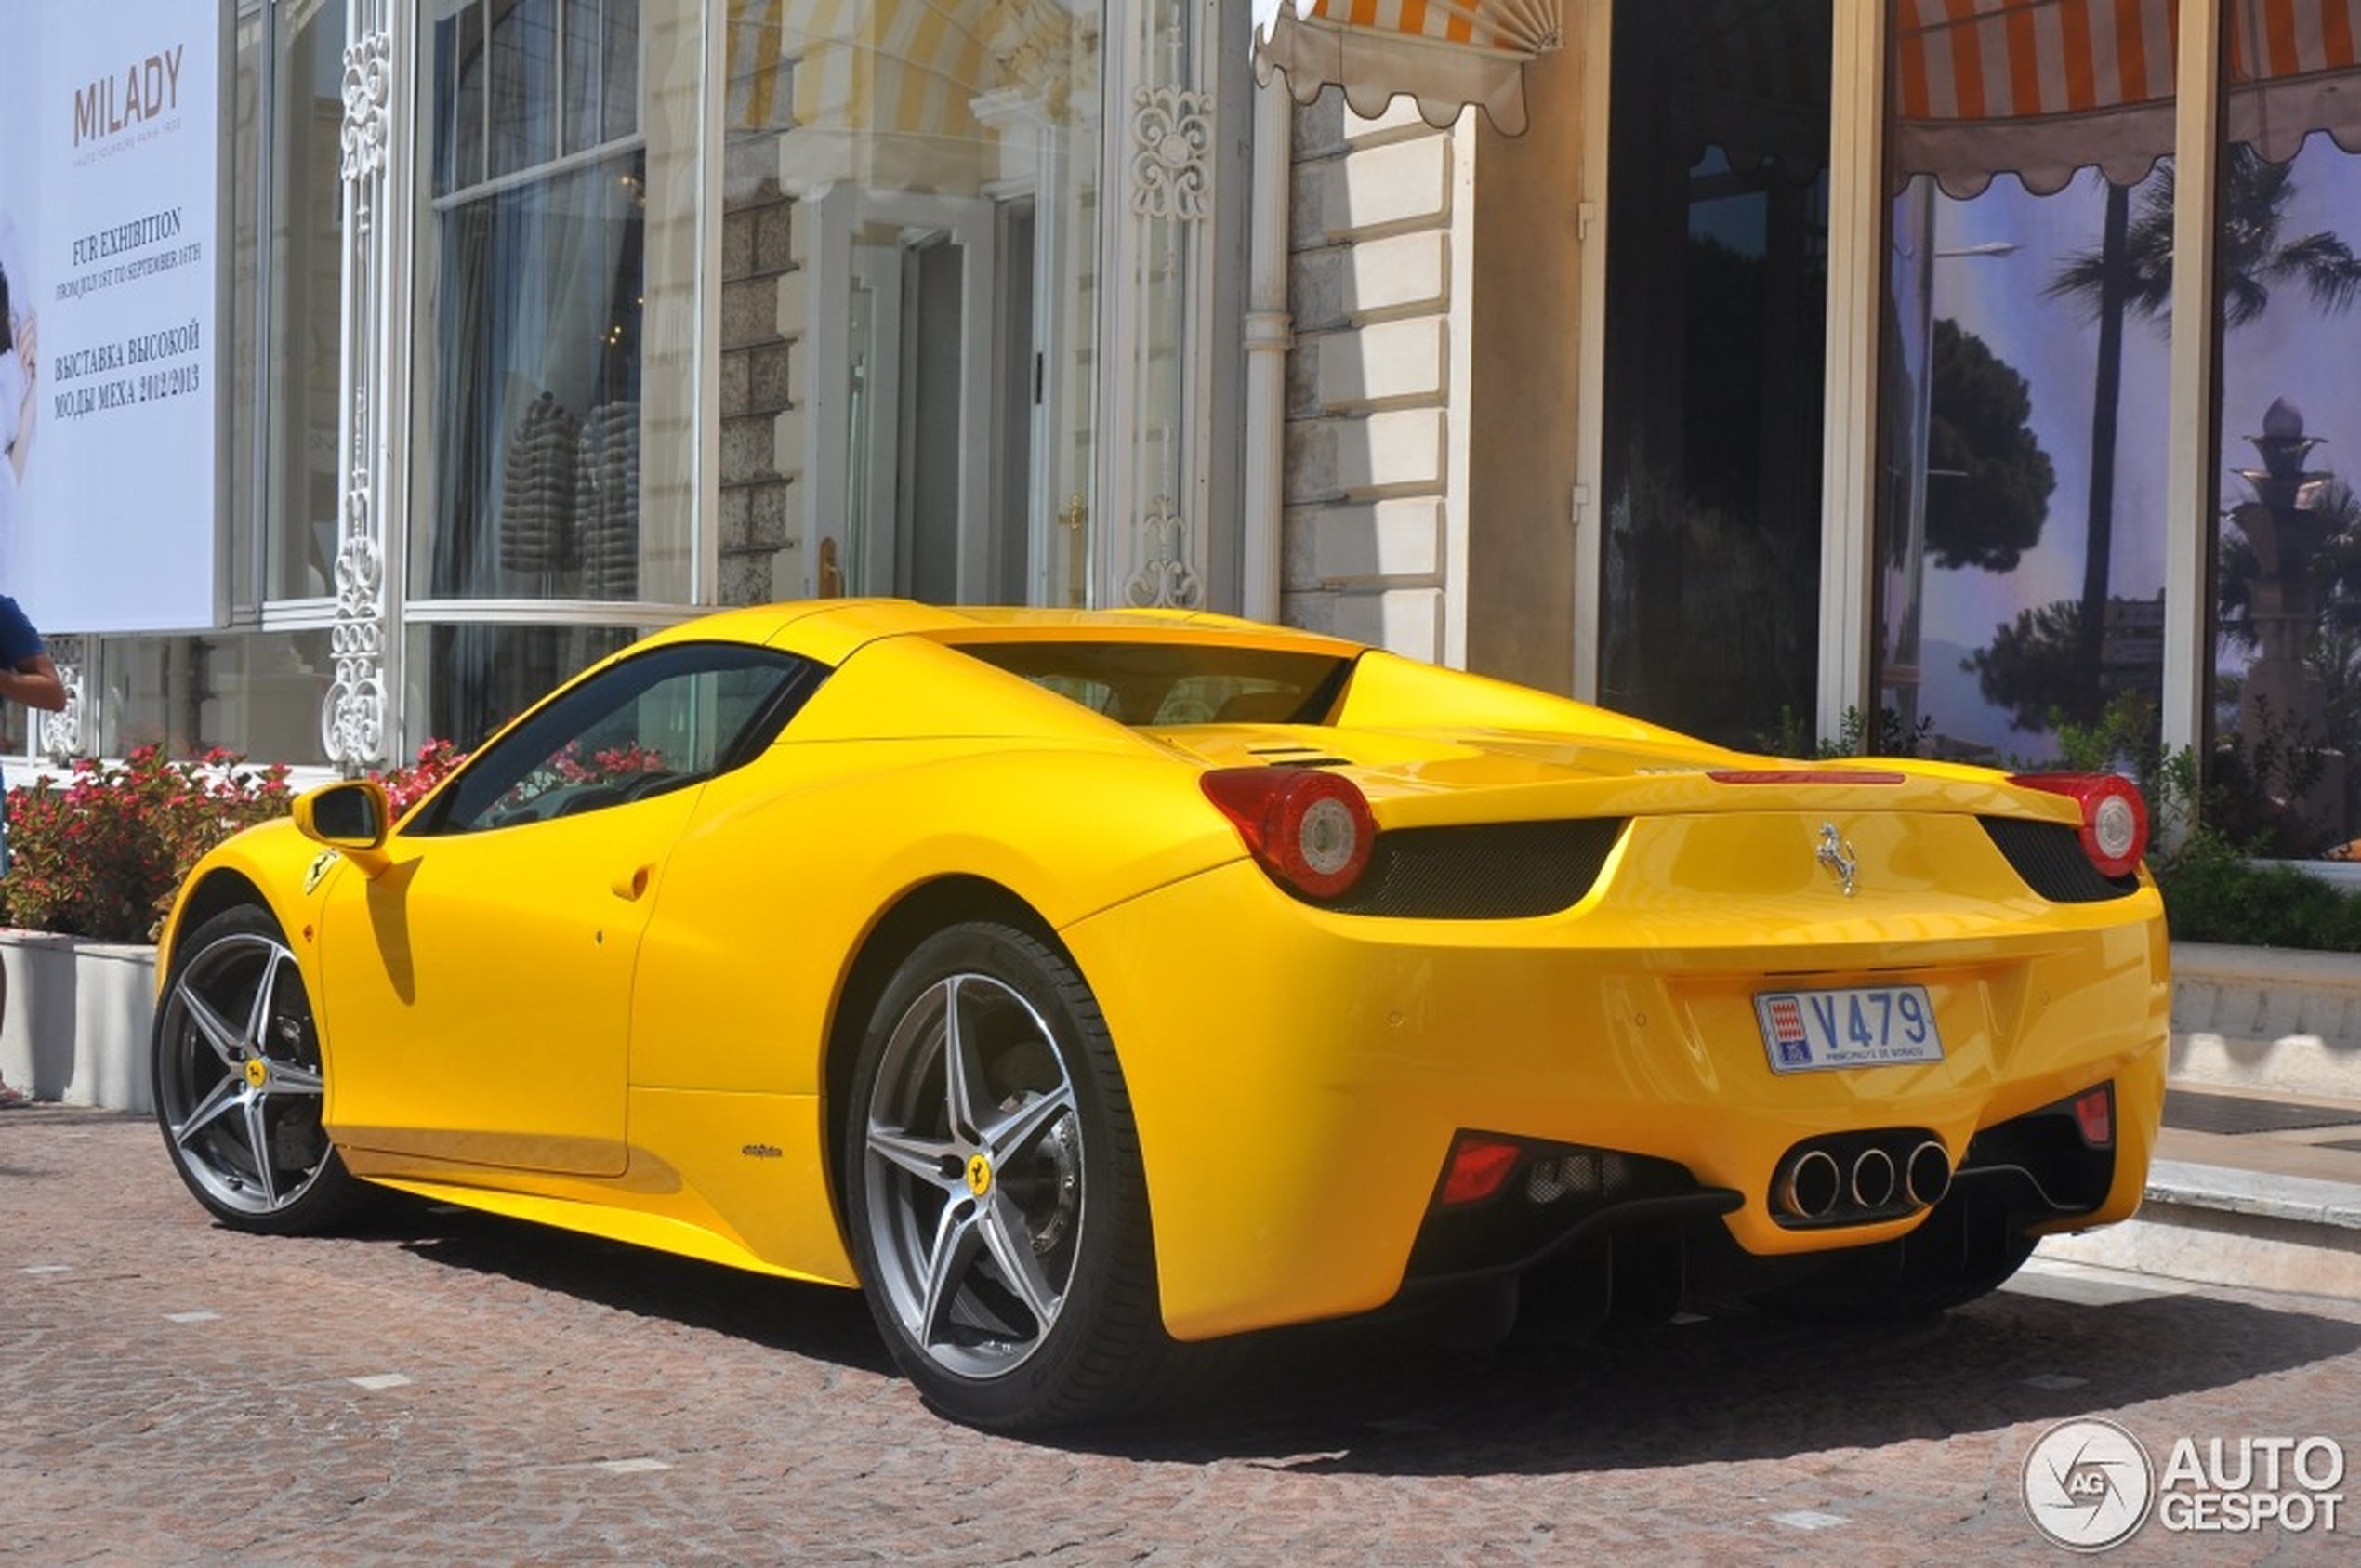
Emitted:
pixel 319 868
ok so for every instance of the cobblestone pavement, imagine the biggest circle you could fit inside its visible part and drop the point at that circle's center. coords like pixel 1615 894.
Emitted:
pixel 456 1389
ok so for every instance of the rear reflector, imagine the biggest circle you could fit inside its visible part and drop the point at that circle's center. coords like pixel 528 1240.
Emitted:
pixel 2094 1114
pixel 1479 1166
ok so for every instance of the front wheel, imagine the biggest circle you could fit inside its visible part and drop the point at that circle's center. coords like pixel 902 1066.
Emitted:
pixel 239 1085
pixel 995 1189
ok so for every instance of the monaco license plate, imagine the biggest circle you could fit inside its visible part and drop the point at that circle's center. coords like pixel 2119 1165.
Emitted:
pixel 1851 1026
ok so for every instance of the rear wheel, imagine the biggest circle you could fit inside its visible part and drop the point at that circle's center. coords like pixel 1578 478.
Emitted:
pixel 238 1081
pixel 995 1189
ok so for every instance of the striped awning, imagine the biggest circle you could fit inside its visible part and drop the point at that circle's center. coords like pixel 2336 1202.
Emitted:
pixel 897 93
pixel 2040 88
pixel 1445 54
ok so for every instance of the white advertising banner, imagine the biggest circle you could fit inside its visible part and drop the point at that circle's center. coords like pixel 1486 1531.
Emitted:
pixel 110 144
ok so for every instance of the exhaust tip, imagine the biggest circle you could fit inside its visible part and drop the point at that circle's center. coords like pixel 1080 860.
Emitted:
pixel 1928 1176
pixel 1873 1178
pixel 1809 1184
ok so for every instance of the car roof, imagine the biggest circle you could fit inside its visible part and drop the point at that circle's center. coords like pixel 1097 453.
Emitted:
pixel 830 629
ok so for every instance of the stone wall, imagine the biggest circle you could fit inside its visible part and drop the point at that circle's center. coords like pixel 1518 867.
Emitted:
pixel 761 439
pixel 1369 395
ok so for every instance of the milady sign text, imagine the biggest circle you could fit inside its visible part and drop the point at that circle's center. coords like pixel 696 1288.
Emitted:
pixel 145 89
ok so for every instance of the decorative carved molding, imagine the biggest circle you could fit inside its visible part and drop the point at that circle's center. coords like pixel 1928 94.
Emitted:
pixel 353 716
pixel 1172 143
pixel 1166 579
pixel 368 90
pixel 59 736
pixel 352 723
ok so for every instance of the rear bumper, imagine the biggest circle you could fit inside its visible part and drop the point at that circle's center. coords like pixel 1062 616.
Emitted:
pixel 1298 1077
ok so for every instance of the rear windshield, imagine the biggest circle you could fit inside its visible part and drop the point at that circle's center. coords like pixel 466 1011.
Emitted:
pixel 1154 685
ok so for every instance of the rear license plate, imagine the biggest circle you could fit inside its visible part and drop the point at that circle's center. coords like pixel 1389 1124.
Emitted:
pixel 1854 1026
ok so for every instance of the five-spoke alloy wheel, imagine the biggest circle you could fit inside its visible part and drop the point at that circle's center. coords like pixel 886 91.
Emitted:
pixel 998 1209
pixel 238 1081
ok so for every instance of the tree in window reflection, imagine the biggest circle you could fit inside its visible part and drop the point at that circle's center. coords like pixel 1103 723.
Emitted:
pixel 2131 273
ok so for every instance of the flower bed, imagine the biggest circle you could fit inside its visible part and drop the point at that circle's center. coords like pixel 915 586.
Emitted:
pixel 97 856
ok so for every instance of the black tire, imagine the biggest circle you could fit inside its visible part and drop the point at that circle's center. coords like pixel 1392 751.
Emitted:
pixel 1000 1216
pixel 238 1083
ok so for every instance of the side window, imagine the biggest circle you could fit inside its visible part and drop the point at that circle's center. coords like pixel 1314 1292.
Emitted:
pixel 673 716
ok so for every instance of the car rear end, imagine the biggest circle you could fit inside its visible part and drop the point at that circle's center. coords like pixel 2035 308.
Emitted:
pixel 1470 1001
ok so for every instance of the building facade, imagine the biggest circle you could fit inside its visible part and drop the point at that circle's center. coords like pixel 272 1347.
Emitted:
pixel 545 321
pixel 1963 376
pixel 1956 376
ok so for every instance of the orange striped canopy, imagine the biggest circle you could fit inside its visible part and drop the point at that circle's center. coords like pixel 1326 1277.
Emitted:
pixel 1445 54
pixel 2040 88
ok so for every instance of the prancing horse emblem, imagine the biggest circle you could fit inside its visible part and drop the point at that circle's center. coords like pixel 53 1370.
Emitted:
pixel 1839 857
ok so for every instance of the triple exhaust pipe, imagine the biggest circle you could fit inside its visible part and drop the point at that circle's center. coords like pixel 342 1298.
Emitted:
pixel 1815 1184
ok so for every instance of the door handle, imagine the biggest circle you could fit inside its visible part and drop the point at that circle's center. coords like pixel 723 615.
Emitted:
pixel 633 883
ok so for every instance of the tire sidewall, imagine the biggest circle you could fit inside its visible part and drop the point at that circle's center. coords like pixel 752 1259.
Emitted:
pixel 1056 1381
pixel 332 1190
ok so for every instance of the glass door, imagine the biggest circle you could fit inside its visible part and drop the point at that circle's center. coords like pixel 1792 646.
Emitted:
pixel 1715 364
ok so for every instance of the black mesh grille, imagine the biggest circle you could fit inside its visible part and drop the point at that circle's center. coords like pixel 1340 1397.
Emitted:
pixel 2049 856
pixel 1494 871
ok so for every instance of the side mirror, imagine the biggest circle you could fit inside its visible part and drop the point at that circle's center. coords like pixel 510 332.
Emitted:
pixel 350 816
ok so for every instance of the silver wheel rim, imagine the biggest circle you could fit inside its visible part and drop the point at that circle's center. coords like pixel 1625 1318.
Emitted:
pixel 975 1176
pixel 239 1081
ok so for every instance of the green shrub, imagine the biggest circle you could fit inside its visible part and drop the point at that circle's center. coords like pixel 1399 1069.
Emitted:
pixel 2214 893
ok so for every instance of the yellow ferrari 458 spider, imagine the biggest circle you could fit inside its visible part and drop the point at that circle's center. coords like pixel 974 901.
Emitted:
pixel 1085 986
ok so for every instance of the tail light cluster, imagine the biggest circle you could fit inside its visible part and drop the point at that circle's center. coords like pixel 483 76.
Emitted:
pixel 2115 819
pixel 1309 829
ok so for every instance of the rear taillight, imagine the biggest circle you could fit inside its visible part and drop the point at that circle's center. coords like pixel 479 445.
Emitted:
pixel 1309 829
pixel 2115 819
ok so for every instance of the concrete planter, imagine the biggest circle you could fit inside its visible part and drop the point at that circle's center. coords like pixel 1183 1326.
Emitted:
pixel 79 1014
pixel 2269 1019
pixel 2258 1018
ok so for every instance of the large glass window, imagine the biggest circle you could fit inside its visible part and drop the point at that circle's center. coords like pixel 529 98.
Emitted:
pixel 301 496
pixel 256 693
pixel 911 242
pixel 532 392
pixel 1717 292
pixel 2288 543
pixel 2021 519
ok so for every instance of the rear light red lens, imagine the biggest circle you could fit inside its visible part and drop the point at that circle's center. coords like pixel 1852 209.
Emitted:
pixel 1479 1166
pixel 2094 1114
pixel 2115 819
pixel 1312 830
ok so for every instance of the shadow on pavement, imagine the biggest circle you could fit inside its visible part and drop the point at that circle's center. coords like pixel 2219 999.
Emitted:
pixel 805 1320
pixel 1365 1398
pixel 1738 1386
